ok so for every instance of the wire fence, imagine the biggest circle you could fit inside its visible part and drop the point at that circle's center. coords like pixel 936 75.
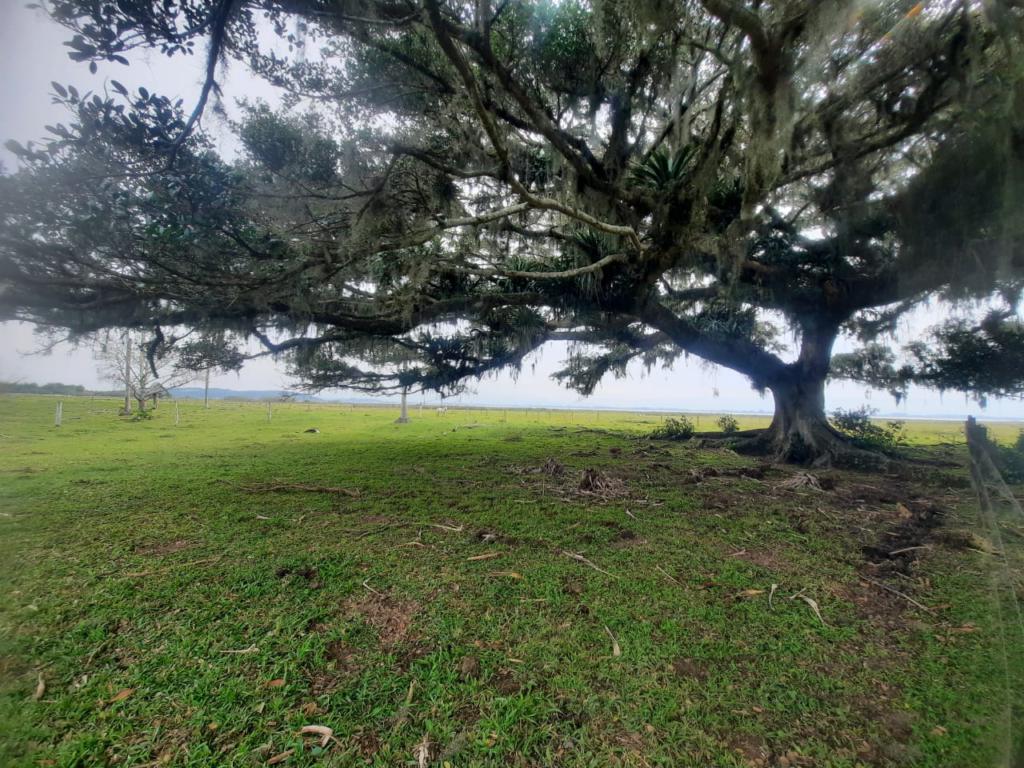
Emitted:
pixel 1000 515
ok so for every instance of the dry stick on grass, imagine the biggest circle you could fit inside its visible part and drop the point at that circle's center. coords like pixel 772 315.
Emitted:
pixel 616 650
pixel 488 556
pixel 304 487
pixel 909 549
pixel 403 711
pixel 452 528
pixel 896 592
pixel 585 561
pixel 814 607
pixel 243 651
pixel 40 688
pixel 666 574
pixel 366 584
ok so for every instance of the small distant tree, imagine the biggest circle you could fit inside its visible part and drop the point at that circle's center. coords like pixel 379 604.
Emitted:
pixel 131 361
pixel 728 424
pixel 675 428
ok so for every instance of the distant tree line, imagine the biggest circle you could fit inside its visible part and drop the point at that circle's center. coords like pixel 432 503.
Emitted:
pixel 52 388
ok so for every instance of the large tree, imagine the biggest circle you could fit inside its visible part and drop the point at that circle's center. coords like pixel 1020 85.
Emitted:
pixel 453 184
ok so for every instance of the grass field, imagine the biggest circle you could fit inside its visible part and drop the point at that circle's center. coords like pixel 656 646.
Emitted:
pixel 485 588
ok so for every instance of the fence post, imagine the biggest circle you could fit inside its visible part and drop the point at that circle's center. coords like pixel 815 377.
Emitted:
pixel 59 414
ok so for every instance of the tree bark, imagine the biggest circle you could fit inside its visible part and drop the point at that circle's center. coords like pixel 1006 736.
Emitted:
pixel 800 431
pixel 404 417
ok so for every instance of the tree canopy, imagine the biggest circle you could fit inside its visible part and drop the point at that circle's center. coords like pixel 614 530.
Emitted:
pixel 450 185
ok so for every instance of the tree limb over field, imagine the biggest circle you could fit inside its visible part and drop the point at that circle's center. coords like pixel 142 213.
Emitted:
pixel 473 180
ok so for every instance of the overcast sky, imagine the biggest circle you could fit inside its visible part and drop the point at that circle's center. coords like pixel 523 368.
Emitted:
pixel 32 55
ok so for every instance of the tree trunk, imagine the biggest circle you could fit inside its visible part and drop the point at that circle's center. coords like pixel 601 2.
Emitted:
pixel 404 417
pixel 141 403
pixel 800 432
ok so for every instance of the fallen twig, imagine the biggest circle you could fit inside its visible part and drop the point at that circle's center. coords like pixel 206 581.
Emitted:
pixel 616 650
pixel 909 549
pixel 40 688
pixel 366 584
pixel 326 734
pixel 666 574
pixel 585 561
pixel 814 607
pixel 403 711
pixel 452 528
pixel 250 649
pixel 896 592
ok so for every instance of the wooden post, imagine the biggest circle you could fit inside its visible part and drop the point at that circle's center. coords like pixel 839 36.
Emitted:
pixel 206 391
pixel 177 414
pixel 270 411
pixel 59 414
pixel 127 373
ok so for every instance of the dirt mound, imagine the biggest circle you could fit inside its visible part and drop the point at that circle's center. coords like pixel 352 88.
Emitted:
pixel 390 617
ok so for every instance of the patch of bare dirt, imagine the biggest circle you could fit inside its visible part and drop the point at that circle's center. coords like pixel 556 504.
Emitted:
pixel 573 586
pixel 753 749
pixel 390 617
pixel 164 548
pixel 469 668
pixel 317 626
pixel 771 560
pixel 505 683
pixel 323 681
pixel 592 484
pixel 343 655
pixel 367 743
pixel 306 573
pixel 368 519
pixel 342 662
pixel 626 538
pixel 690 669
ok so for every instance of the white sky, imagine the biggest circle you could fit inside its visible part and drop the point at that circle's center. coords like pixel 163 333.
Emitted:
pixel 32 55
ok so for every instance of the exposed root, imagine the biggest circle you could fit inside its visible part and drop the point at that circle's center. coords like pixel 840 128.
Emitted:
pixel 828 449
pixel 703 473
pixel 801 480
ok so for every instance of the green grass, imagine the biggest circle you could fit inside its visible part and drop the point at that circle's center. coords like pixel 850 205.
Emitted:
pixel 132 559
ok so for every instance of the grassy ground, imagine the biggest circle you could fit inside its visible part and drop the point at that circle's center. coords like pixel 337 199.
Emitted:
pixel 163 603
